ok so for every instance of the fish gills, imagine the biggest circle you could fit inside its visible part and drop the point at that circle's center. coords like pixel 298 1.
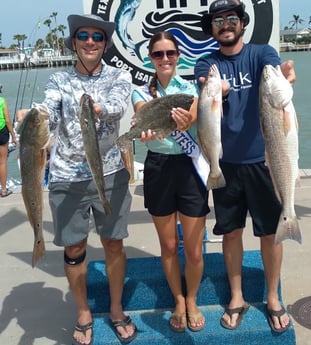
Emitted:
pixel 280 131
pixel 209 126
pixel 156 116
pixel 34 137
pixel 87 119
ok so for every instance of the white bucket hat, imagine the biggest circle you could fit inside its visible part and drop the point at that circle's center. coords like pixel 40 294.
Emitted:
pixel 76 21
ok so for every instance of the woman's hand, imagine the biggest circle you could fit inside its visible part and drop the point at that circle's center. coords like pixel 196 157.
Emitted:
pixel 148 136
pixel 182 118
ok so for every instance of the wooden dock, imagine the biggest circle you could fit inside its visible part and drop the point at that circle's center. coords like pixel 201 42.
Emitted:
pixel 39 62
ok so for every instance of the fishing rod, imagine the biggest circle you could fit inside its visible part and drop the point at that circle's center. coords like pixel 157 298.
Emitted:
pixel 17 98
pixel 33 89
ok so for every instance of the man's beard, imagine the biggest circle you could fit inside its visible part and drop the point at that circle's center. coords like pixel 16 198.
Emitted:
pixel 233 41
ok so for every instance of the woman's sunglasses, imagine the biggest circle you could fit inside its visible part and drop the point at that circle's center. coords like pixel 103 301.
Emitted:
pixel 84 36
pixel 159 54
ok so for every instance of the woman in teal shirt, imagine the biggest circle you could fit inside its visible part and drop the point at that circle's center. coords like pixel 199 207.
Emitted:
pixel 173 189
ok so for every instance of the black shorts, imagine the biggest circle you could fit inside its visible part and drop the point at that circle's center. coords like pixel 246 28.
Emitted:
pixel 248 188
pixel 4 135
pixel 171 184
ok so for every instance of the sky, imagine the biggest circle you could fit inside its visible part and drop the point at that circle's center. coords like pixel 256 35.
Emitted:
pixel 21 17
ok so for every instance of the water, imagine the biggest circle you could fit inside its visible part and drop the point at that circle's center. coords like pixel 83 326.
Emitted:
pixel 22 83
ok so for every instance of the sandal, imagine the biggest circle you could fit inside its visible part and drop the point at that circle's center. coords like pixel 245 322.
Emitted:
pixel 195 317
pixel 180 319
pixel 6 193
pixel 231 311
pixel 83 329
pixel 124 323
pixel 278 314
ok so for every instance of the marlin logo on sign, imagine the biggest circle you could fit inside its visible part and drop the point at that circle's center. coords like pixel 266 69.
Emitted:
pixel 138 20
pixel 125 14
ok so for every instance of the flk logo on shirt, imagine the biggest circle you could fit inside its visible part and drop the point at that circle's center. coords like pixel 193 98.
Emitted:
pixel 138 20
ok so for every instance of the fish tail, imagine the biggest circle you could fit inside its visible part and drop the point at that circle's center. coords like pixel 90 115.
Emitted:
pixel 123 143
pixel 288 228
pixel 38 250
pixel 216 181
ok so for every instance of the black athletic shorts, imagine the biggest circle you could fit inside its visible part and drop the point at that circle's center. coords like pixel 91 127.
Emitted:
pixel 172 184
pixel 4 135
pixel 248 188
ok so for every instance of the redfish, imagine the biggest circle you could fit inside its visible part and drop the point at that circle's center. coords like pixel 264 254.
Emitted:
pixel 209 126
pixel 33 140
pixel 280 131
pixel 87 119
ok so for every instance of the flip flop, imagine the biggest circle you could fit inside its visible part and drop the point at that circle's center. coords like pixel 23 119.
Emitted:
pixel 195 317
pixel 6 193
pixel 123 323
pixel 83 329
pixel 179 318
pixel 278 314
pixel 230 311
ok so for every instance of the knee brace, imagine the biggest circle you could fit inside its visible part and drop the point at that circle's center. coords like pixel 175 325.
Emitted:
pixel 76 261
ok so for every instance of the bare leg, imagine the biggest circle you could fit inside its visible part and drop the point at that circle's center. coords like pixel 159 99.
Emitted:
pixel 233 255
pixel 115 270
pixel 193 232
pixel 166 228
pixel 3 166
pixel 272 259
pixel 76 275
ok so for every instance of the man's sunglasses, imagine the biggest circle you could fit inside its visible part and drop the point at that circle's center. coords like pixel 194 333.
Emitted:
pixel 84 36
pixel 159 54
pixel 231 20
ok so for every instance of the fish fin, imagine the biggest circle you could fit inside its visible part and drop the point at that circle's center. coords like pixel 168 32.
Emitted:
pixel 123 142
pixel 107 208
pixel 288 228
pixel 38 250
pixel 287 123
pixel 106 204
pixel 42 159
pixel 215 105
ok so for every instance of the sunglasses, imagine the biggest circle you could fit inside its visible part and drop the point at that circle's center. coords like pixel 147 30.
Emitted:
pixel 231 21
pixel 159 54
pixel 84 36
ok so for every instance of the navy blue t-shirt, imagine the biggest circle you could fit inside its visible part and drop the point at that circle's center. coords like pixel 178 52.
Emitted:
pixel 242 140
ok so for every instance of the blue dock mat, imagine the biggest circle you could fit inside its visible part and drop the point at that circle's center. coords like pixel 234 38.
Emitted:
pixel 146 286
pixel 153 328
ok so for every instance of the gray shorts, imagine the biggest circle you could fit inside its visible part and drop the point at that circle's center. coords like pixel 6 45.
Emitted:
pixel 72 202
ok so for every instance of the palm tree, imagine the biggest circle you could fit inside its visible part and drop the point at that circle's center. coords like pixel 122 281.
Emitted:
pixel 48 23
pixel 20 38
pixel 40 43
pixel 61 40
pixel 54 15
pixel 297 20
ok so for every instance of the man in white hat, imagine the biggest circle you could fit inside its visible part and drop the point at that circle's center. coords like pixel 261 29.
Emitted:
pixel 73 195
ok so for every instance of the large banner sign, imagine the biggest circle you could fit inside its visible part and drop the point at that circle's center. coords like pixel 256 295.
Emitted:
pixel 137 21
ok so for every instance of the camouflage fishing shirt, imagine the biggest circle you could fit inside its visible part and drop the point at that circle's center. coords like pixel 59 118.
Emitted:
pixel 110 88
